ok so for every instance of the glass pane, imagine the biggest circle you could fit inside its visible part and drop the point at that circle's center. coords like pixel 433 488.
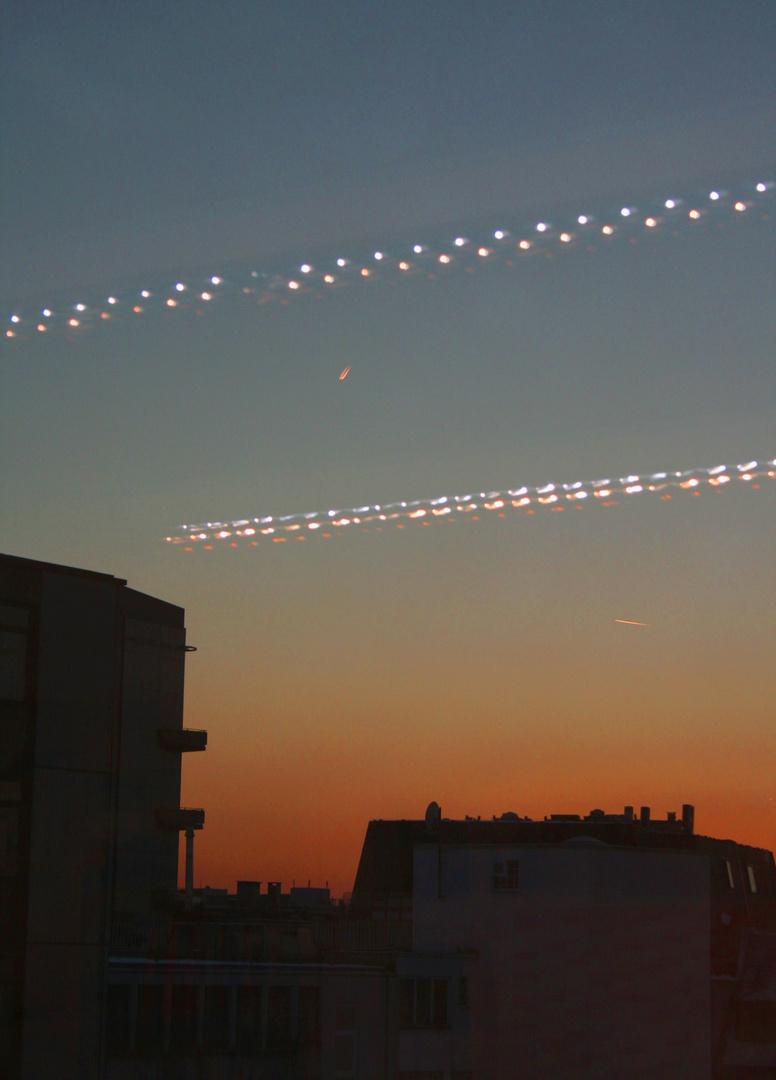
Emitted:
pixel 423 1002
pixel 440 1002
pixel 12 651
pixel 309 1016
pixel 248 1036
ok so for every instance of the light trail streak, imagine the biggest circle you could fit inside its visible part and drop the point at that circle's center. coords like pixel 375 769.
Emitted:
pixel 481 246
pixel 630 622
pixel 472 506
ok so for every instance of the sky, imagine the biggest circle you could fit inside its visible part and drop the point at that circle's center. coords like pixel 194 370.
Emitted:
pixel 476 663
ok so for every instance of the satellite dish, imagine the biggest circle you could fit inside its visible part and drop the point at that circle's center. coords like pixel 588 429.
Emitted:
pixel 433 817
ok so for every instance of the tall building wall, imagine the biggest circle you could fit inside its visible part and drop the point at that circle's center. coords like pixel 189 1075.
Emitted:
pixel 86 677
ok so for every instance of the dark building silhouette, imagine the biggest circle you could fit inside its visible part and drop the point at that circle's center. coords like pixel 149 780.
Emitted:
pixel 609 946
pixel 91 714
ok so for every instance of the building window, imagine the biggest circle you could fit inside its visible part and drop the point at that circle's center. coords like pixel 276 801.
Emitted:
pixel 463 992
pixel 752 881
pixel 13 647
pixel 730 879
pixel 345 1018
pixel 216 1019
pixel 423 1003
pixel 184 1007
pixel 150 1020
pixel 278 1017
pixel 117 1021
pixel 248 1027
pixel 308 1016
pixel 9 840
pixel 505 875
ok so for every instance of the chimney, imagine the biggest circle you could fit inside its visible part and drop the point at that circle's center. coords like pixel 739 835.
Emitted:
pixel 645 815
pixel 671 817
pixel 688 817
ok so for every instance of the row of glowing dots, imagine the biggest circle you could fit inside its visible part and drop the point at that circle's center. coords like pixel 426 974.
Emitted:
pixel 82 309
pixel 545 496
pixel 418 249
pixel 541 227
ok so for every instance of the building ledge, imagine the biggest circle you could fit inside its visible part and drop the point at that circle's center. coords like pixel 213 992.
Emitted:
pixel 173 819
pixel 181 740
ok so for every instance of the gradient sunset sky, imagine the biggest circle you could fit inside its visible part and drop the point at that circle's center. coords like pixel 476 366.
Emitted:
pixel 477 664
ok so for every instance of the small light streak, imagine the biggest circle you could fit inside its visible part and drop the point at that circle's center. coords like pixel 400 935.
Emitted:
pixel 631 622
pixel 344 373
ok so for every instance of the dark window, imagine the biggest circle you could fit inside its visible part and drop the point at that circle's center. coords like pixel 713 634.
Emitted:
pixel 423 1003
pixel 9 840
pixel 345 1040
pixel 150 1019
pixel 278 1017
pixel 463 992
pixel 756 1022
pixel 184 1006
pixel 117 1021
pixel 12 653
pixel 439 1012
pixel 309 1016
pixel 505 874
pixel 216 1018
pixel 407 1002
pixel 248 1033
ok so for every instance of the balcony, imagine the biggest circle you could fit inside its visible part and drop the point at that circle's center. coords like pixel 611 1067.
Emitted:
pixel 173 819
pixel 181 740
